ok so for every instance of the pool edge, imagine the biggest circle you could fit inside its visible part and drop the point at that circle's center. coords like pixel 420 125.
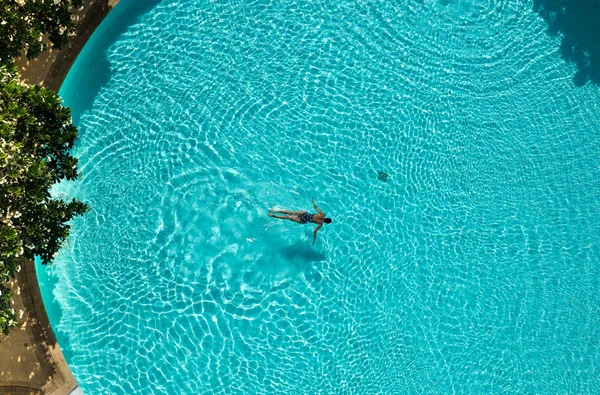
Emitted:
pixel 35 323
pixel 50 68
pixel 49 71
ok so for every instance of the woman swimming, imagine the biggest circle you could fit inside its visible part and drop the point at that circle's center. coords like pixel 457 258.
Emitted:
pixel 303 217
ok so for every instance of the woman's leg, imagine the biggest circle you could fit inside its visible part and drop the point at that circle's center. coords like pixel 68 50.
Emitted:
pixel 286 212
pixel 289 218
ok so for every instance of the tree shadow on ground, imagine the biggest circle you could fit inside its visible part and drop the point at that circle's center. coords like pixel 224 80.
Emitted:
pixel 578 22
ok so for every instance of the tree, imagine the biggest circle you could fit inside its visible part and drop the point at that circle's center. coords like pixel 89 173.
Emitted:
pixel 36 135
pixel 31 25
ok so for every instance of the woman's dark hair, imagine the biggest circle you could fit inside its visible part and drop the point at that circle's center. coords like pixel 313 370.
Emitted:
pixel 327 220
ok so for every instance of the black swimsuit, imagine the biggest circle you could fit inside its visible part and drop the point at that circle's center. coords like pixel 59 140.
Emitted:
pixel 306 217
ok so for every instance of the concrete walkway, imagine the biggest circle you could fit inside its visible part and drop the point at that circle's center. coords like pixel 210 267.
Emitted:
pixel 31 361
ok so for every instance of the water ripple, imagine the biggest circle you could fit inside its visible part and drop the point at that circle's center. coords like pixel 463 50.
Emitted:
pixel 468 268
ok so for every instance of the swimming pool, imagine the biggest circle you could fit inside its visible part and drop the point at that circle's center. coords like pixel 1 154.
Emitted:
pixel 473 268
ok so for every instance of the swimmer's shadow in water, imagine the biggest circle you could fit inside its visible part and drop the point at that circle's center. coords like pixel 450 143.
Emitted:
pixel 301 254
pixel 293 261
pixel 279 267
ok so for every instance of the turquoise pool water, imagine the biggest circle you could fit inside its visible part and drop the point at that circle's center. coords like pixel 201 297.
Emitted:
pixel 474 268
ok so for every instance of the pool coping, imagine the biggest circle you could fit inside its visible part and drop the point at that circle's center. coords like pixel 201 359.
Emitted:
pixel 44 356
pixel 51 363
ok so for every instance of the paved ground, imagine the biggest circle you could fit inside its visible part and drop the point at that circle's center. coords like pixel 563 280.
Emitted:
pixel 50 68
pixel 31 361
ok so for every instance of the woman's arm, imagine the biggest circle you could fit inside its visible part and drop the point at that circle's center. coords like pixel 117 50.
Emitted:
pixel 316 208
pixel 315 232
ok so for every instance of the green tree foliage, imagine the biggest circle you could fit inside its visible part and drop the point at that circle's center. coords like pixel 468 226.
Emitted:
pixel 36 135
pixel 32 25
